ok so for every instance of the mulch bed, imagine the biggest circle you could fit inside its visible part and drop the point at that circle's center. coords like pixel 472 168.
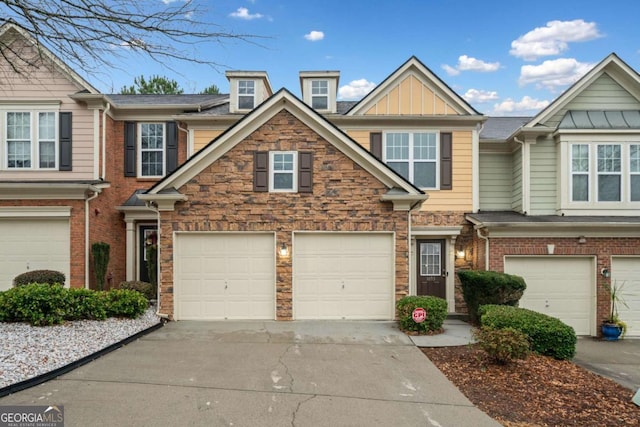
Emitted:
pixel 538 391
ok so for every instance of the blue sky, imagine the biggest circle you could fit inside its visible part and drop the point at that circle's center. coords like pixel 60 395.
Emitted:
pixel 504 57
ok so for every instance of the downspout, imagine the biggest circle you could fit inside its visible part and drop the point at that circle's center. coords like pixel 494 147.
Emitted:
pixel 96 192
pixel 104 141
pixel 189 145
pixel 150 206
pixel 525 176
pixel 486 248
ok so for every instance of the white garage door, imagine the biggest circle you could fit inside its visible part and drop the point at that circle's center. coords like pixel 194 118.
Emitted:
pixel 33 244
pixel 343 276
pixel 224 276
pixel 626 271
pixel 561 287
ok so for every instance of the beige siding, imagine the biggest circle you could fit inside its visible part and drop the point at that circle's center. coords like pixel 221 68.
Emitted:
pixel 202 137
pixel 411 96
pixel 543 177
pixel 46 84
pixel 495 182
pixel 516 179
pixel 461 196
pixel 361 137
pixel 603 94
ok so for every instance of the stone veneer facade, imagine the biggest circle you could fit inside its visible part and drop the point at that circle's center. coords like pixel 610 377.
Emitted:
pixel 345 198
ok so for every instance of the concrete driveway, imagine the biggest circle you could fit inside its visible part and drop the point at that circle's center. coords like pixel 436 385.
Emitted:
pixel 261 374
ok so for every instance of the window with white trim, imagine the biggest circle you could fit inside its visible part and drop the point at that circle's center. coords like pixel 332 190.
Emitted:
pixel 319 94
pixel 30 135
pixel 414 155
pixel 246 94
pixel 283 171
pixel 634 172
pixel 151 143
pixel 609 172
pixel 580 173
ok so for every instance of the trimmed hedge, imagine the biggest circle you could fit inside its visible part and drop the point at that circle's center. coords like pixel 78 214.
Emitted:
pixel 503 345
pixel 548 335
pixel 145 288
pixel 42 304
pixel 481 287
pixel 39 276
pixel 435 307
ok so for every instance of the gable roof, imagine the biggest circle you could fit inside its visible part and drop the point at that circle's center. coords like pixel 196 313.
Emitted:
pixel 72 75
pixel 284 100
pixel 416 65
pixel 615 67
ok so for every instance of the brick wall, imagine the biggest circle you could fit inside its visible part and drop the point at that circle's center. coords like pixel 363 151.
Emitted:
pixel 221 198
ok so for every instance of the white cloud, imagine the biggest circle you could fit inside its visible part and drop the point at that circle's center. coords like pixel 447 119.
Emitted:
pixel 314 36
pixel 553 74
pixel 243 13
pixel 525 105
pixel 450 70
pixel 356 89
pixel 480 96
pixel 468 63
pixel 553 39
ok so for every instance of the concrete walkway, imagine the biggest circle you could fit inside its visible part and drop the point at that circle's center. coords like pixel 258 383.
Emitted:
pixel 261 374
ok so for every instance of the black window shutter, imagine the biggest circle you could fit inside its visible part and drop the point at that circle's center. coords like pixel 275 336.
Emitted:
pixel 261 171
pixel 446 161
pixel 66 131
pixel 172 147
pixel 305 172
pixel 375 144
pixel 129 149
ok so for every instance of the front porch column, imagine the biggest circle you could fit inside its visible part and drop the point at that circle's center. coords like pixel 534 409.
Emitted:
pixel 131 249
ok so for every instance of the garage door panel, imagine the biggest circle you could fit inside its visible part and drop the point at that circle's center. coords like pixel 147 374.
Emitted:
pixel 561 287
pixel 626 271
pixel 33 244
pixel 343 276
pixel 225 276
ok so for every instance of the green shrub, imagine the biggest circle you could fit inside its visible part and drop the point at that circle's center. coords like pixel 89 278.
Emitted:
pixel 489 287
pixel 125 303
pixel 548 335
pixel 435 307
pixel 100 252
pixel 145 288
pixel 503 345
pixel 38 303
pixel 50 277
pixel 85 304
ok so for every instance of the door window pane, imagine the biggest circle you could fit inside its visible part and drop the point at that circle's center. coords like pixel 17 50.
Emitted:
pixel 430 259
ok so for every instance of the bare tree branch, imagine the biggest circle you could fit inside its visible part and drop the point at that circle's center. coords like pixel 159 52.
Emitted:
pixel 89 34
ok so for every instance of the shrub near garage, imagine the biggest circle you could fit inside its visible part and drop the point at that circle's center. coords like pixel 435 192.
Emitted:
pixel 51 277
pixel 145 288
pixel 548 335
pixel 489 287
pixel 503 345
pixel 435 307
pixel 85 304
pixel 125 303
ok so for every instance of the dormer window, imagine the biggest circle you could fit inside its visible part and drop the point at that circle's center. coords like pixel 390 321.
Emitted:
pixel 319 94
pixel 246 94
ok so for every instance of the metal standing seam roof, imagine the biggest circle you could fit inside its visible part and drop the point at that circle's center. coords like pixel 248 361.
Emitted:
pixel 600 119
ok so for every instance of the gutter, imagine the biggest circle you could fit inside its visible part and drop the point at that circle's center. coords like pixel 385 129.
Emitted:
pixel 104 140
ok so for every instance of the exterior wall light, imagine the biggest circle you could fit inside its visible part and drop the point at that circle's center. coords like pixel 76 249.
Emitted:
pixel 582 240
pixel 284 250
pixel 460 254
pixel 605 273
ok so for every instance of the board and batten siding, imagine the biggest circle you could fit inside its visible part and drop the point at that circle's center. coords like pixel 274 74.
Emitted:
pixel 543 171
pixel 410 95
pixel 603 94
pixel 495 181
pixel 516 179
pixel 202 137
pixel 47 84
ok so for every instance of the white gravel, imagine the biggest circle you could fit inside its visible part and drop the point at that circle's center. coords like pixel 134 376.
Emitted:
pixel 28 351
